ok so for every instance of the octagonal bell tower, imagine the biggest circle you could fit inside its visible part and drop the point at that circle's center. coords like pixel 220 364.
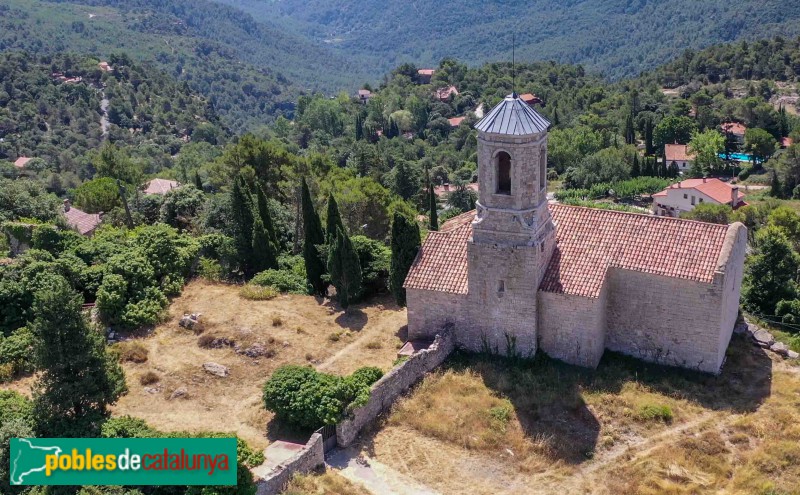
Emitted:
pixel 513 234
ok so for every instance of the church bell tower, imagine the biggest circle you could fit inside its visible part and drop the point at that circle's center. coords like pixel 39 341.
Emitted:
pixel 513 234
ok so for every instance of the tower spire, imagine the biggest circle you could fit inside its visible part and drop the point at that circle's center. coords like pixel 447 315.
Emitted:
pixel 513 64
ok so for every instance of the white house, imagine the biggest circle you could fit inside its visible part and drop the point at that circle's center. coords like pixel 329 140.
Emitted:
pixel 684 196
pixel 679 154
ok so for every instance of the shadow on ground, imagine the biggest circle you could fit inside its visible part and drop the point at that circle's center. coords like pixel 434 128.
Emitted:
pixel 548 395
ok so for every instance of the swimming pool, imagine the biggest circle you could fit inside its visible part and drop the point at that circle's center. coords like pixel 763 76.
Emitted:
pixel 742 157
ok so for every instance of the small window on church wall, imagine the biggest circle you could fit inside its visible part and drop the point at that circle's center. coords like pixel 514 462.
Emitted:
pixel 503 173
pixel 501 286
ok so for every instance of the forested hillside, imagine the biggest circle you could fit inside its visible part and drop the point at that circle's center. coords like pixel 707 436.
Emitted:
pixel 617 37
pixel 250 72
pixel 52 109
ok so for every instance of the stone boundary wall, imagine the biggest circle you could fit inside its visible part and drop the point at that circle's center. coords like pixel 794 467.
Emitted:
pixel 311 457
pixel 386 390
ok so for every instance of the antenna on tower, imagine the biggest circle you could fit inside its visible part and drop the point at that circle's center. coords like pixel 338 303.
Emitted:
pixel 513 64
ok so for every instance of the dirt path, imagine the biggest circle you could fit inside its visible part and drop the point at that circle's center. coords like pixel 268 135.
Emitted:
pixel 376 477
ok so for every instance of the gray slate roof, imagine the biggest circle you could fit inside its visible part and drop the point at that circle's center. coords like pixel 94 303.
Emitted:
pixel 513 116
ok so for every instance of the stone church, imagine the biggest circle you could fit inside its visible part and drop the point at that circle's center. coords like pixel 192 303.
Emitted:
pixel 519 275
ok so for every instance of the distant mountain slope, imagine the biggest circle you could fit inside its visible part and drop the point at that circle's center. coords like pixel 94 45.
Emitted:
pixel 618 37
pixel 247 69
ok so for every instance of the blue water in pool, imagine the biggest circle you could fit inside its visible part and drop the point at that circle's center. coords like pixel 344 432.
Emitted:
pixel 742 157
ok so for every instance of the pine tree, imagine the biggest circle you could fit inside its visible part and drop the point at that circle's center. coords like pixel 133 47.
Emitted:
pixel 345 269
pixel 266 216
pixel 77 380
pixel 636 171
pixel 313 237
pixel 405 245
pixel 434 216
pixel 264 256
pixel 198 182
pixel 242 223
pixel 334 220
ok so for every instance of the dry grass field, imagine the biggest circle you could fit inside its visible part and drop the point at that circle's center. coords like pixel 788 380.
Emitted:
pixel 292 329
pixel 488 426
pixel 328 483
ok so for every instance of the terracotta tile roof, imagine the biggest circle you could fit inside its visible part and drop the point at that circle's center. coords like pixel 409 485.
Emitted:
pixel 22 161
pixel 588 242
pixel 734 128
pixel 786 142
pixel 677 153
pixel 448 188
pixel 84 223
pixel 530 98
pixel 719 191
pixel 426 72
pixel 455 121
pixel 160 186
pixel 444 93
pixel 441 264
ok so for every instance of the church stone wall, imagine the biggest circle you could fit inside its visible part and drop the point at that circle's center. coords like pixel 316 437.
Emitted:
pixel 430 311
pixel 572 328
pixel 665 320
pixel 503 281
pixel 731 264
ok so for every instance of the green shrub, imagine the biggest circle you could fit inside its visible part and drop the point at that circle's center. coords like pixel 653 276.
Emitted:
pixel 653 412
pixel 16 354
pixel 284 281
pixel 15 406
pixel 258 293
pixel 209 269
pixel 127 427
pixel 306 398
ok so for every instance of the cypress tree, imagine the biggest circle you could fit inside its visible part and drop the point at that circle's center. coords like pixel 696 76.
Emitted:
pixel 345 269
pixel 404 184
pixel 434 216
pixel 775 186
pixel 636 171
pixel 266 217
pixel 313 237
pixel 334 220
pixel 649 149
pixel 405 244
pixel 264 256
pixel 556 120
pixel 77 380
pixel 242 223
pixel 359 128
pixel 630 133
pixel 198 183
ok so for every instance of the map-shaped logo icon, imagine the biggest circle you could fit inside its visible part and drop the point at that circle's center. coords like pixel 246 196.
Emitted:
pixel 28 458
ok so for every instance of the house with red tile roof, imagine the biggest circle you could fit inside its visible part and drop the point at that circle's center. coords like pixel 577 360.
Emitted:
pixel 22 161
pixel 678 153
pixel 161 186
pixel 530 99
pixel 519 275
pixel 84 223
pixel 445 93
pixel 684 196
pixel 734 129
pixel 456 121
pixel 786 142
pixel 425 75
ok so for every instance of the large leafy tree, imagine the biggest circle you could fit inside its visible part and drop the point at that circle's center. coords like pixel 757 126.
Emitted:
pixel 77 380
pixel 760 143
pixel 314 236
pixel 771 272
pixel 405 245
pixel 345 269
pixel 673 129
pixel 707 146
